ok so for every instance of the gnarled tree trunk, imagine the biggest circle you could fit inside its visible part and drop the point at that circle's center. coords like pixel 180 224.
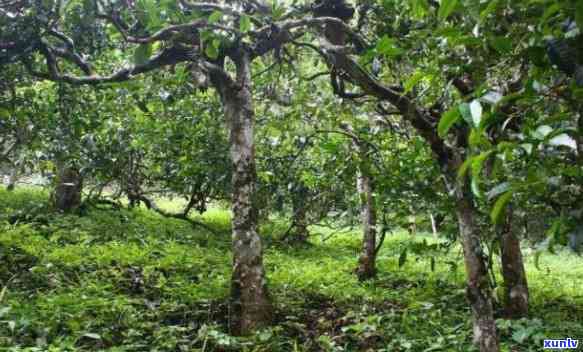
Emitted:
pixel 250 305
pixel 515 284
pixel 66 196
pixel 478 286
pixel 367 261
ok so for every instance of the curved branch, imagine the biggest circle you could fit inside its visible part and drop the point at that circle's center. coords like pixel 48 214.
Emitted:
pixel 339 59
pixel 74 58
pixel 167 57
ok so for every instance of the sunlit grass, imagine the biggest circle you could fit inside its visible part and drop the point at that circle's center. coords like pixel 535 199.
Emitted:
pixel 135 278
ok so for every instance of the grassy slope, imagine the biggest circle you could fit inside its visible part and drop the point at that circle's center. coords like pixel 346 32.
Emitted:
pixel 133 281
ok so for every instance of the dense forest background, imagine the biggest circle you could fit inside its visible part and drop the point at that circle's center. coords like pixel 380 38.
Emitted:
pixel 372 175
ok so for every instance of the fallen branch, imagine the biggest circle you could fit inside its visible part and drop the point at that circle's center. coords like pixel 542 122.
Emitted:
pixel 150 204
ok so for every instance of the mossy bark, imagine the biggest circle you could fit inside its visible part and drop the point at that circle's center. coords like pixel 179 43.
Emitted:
pixel 250 304
pixel 367 261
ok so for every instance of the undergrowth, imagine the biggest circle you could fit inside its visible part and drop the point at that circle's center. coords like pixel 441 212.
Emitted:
pixel 130 280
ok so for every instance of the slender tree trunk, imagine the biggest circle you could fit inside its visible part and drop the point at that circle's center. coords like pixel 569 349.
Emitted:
pixel 12 178
pixel 515 284
pixel 433 226
pixel 580 134
pixel 478 287
pixel 367 261
pixel 250 301
pixel 66 196
pixel 300 223
pixel 412 225
pixel 366 268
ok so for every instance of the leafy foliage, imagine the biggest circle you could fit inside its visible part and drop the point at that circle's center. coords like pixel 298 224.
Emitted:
pixel 128 279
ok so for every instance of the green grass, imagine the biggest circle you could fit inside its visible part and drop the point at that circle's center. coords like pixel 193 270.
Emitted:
pixel 130 280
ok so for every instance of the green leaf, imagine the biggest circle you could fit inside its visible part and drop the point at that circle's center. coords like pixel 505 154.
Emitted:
pixel 244 24
pixel 414 80
pixel 475 186
pixel 403 257
pixel 148 13
pixel 142 53
pixel 420 8
pixel 492 5
pixel 550 12
pixel 499 207
pixel 388 47
pixel 215 17
pixel 4 113
pixel 463 170
pixel 502 45
pixel 446 7
pixel 466 113
pixel 521 335
pixel 477 139
pixel 542 132
pixel 476 112
pixel 447 120
pixel 477 166
pixel 498 190
pixel 212 49
pixel 527 148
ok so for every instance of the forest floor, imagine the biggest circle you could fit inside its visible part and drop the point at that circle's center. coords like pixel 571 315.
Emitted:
pixel 130 280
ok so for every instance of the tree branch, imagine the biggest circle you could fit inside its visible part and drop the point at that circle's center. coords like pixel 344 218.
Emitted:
pixel 339 59
pixel 168 56
pixel 150 204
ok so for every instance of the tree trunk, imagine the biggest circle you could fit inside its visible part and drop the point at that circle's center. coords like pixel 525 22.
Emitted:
pixel 300 232
pixel 66 196
pixel 478 287
pixel 515 284
pixel 580 135
pixel 433 225
pixel 250 301
pixel 300 223
pixel 367 261
pixel 365 187
pixel 12 178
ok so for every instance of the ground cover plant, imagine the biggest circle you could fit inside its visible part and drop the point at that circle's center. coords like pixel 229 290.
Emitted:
pixel 291 174
pixel 131 280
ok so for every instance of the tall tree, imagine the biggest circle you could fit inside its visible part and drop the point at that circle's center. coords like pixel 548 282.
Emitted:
pixel 211 38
